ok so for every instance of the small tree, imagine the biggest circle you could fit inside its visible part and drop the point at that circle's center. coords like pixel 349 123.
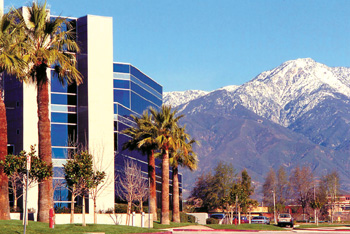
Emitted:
pixel 80 177
pixel 15 169
pixel 316 205
pixel 329 185
pixel 98 178
pixel 131 186
pixel 301 185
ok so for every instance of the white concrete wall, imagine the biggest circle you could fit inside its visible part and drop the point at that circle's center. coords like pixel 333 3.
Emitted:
pixel 201 218
pixel 113 219
pixel 100 102
pixel 30 132
pixel 1 7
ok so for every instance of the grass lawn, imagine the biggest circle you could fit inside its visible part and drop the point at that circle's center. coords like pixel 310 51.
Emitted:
pixel 303 226
pixel 15 226
pixel 157 225
pixel 246 227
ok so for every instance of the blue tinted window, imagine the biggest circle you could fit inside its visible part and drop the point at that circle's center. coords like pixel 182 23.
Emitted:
pixel 139 104
pixel 56 86
pixel 59 153
pixel 122 96
pixel 146 87
pixel 63 117
pixel 124 68
pixel 60 193
pixel 63 108
pixel 145 79
pixel 122 126
pixel 63 99
pixel 62 134
pixel 137 89
pixel 115 108
pixel 123 111
pixel 127 121
pixel 123 84
pixel 58 172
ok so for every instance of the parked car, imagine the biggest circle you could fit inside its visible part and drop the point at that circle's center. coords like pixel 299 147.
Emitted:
pixel 261 219
pixel 218 216
pixel 243 219
pixel 285 219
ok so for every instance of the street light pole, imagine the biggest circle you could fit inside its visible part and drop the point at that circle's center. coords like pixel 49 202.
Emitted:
pixel 274 206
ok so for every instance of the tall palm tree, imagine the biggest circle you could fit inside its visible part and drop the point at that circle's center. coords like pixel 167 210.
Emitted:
pixel 181 155
pixel 49 45
pixel 11 40
pixel 165 121
pixel 143 139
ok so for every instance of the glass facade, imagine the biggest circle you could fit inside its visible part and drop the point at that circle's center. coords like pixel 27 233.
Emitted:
pixel 63 134
pixel 134 92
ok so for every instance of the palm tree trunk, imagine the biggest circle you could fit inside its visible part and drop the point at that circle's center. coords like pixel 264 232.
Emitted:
pixel 152 179
pixel 45 187
pixel 4 189
pixel 176 195
pixel 165 187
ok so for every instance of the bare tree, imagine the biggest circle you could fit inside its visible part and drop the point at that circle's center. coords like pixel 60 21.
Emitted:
pixel 101 183
pixel 142 193
pixel 269 187
pixel 330 187
pixel 301 184
pixel 128 184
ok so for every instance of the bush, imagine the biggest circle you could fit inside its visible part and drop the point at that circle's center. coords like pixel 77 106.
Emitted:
pixel 212 221
pixel 62 210
pixel 186 218
pixel 18 210
pixel 120 208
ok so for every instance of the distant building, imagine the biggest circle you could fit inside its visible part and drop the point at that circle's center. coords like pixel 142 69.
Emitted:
pixel 92 114
pixel 340 207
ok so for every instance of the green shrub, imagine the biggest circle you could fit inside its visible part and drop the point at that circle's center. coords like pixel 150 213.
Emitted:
pixel 186 218
pixel 120 208
pixel 62 210
pixel 212 221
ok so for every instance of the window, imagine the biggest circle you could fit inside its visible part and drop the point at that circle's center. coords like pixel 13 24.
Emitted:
pixel 122 97
pixel 63 117
pixel 63 99
pixel 62 135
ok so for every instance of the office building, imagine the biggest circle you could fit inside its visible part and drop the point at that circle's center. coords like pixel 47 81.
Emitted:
pixel 90 116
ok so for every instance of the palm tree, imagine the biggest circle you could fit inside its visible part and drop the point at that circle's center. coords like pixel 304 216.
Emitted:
pixel 143 139
pixel 11 40
pixel 49 45
pixel 181 155
pixel 165 121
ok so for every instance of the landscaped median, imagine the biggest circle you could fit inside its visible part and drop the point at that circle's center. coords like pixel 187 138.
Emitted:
pixel 258 227
pixel 16 226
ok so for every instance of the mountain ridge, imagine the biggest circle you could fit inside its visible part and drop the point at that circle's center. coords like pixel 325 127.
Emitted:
pixel 295 114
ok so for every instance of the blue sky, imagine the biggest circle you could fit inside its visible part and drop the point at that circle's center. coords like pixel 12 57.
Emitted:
pixel 208 44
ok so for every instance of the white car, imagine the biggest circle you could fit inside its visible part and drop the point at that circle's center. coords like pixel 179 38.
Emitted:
pixel 285 219
pixel 261 219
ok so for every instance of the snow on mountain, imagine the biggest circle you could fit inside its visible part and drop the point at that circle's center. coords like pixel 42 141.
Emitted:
pixel 287 92
pixel 177 98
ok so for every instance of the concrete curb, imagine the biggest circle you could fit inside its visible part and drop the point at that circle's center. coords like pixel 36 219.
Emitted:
pixel 208 230
pixel 324 230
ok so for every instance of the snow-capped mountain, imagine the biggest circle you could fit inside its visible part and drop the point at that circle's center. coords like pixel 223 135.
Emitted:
pixel 295 114
pixel 177 98
pixel 287 92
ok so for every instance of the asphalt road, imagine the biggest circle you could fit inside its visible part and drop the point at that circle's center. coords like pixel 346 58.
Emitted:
pixel 260 232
